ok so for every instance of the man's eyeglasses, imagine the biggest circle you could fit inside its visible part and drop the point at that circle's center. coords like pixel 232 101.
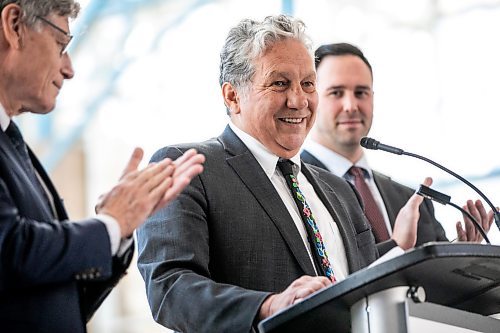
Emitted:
pixel 64 46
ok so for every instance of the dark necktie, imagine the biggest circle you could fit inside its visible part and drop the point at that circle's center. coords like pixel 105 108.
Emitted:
pixel 17 140
pixel 372 211
pixel 313 235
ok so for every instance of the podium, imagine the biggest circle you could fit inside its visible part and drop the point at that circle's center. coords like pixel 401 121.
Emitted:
pixel 437 287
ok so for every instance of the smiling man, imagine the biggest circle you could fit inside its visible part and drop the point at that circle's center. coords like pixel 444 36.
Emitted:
pixel 54 273
pixel 345 115
pixel 258 230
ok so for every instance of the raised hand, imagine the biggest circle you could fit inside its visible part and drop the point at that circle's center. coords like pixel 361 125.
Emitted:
pixel 140 192
pixel 404 232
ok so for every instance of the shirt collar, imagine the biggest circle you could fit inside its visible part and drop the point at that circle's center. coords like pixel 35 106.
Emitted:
pixel 4 119
pixel 264 157
pixel 336 163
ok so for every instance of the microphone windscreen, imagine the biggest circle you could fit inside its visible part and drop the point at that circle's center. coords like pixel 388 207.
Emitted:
pixel 368 143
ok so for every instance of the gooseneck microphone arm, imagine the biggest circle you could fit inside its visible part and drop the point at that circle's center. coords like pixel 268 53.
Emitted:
pixel 370 143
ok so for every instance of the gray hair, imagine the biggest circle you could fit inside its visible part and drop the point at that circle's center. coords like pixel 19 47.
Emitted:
pixel 33 8
pixel 250 39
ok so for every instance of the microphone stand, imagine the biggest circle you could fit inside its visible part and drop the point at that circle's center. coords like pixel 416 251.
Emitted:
pixel 370 143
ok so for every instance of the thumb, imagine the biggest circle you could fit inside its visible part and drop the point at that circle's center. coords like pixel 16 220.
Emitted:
pixel 133 162
pixel 416 199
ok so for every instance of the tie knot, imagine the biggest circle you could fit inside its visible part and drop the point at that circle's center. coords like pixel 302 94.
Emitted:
pixel 357 172
pixel 286 167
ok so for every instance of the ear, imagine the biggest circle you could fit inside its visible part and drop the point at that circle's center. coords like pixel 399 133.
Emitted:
pixel 11 25
pixel 231 98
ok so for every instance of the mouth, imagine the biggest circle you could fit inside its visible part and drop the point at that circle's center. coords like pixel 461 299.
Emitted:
pixel 350 122
pixel 58 86
pixel 292 120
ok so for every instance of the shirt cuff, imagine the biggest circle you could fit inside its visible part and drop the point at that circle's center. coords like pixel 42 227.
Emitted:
pixel 392 253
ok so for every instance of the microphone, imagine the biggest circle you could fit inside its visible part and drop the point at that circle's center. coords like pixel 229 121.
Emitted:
pixel 444 199
pixel 370 143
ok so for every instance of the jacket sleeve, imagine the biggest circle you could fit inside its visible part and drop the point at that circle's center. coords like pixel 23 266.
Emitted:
pixel 174 260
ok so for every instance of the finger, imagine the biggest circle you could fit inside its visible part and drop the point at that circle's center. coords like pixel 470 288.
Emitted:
pixel 316 282
pixel 134 161
pixel 416 199
pixel 461 235
pixel 484 217
pixel 470 228
pixel 179 184
pixel 491 215
pixel 153 174
pixel 309 288
pixel 157 194
pixel 185 164
pixel 185 156
pixel 304 279
pixel 427 181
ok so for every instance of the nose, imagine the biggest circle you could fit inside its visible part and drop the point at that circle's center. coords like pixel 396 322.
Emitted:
pixel 67 67
pixel 297 98
pixel 350 102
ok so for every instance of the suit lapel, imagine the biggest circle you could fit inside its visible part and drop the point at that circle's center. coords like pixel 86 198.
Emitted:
pixel 387 192
pixel 309 158
pixel 339 215
pixel 58 203
pixel 17 169
pixel 251 174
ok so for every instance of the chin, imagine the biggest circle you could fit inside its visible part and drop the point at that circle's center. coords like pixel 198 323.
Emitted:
pixel 287 152
pixel 46 107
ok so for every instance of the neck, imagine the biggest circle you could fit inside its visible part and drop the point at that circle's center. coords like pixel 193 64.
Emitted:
pixel 351 152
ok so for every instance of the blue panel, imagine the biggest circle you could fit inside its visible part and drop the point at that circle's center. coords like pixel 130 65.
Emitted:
pixel 287 7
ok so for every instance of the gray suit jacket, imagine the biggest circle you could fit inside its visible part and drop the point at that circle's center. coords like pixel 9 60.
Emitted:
pixel 395 196
pixel 211 257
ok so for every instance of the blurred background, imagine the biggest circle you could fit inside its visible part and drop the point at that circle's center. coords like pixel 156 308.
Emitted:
pixel 147 75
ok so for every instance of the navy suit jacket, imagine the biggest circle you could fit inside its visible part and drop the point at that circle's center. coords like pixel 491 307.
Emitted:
pixel 395 196
pixel 211 257
pixel 53 273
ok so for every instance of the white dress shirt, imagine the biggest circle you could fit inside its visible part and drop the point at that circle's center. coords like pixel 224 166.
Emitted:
pixel 328 228
pixel 339 166
pixel 118 246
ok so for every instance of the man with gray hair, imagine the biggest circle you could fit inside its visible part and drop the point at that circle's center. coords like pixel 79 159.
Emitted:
pixel 258 230
pixel 55 273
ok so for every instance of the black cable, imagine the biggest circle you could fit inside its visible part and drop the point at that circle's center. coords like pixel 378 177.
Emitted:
pixel 444 199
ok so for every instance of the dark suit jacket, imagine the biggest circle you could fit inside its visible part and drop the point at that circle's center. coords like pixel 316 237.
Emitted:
pixel 211 257
pixel 53 273
pixel 395 196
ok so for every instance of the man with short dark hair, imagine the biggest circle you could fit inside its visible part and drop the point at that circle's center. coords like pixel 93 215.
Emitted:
pixel 258 230
pixel 345 114
pixel 54 273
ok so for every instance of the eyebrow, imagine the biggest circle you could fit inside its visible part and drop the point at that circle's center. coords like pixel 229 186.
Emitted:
pixel 288 74
pixel 341 86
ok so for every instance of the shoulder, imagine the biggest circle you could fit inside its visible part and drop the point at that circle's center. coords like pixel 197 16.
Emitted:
pixel 207 148
pixel 383 180
pixel 309 158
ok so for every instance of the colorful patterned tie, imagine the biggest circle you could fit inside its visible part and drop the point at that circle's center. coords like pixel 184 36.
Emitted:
pixel 372 211
pixel 315 240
